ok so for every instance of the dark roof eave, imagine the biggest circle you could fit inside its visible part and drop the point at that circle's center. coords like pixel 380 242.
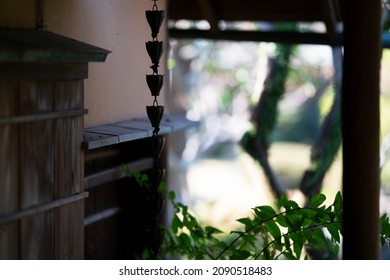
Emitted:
pixel 28 45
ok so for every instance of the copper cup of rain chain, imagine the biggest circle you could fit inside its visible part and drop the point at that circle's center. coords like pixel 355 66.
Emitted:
pixel 156 175
pixel 157 145
pixel 155 83
pixel 155 114
pixel 155 19
pixel 155 203
pixel 158 239
pixel 155 238
pixel 155 50
pixel 158 204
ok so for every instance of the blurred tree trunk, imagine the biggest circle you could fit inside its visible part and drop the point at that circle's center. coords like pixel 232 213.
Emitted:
pixel 264 117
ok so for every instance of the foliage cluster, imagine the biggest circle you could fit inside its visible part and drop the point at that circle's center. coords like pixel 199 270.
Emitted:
pixel 285 231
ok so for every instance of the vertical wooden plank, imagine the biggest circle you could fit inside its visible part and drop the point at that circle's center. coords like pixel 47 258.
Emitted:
pixel 37 170
pixel 9 193
pixel 69 224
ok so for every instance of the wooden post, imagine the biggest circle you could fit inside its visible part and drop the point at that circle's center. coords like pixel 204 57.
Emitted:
pixel 361 129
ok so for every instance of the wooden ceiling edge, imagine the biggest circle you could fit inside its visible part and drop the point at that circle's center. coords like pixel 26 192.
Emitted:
pixel 209 13
pixel 329 12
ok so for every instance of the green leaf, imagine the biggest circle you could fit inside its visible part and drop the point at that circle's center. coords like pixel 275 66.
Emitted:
pixel 382 240
pixel 197 236
pixel 163 187
pixel 267 211
pixel 293 220
pixel 317 200
pixel 172 195
pixel 293 204
pixel 212 230
pixel 250 239
pixel 335 249
pixel 239 255
pixel 176 224
pixel 334 231
pixel 245 221
pixel 221 244
pixel 297 250
pixel 284 202
pixel 297 238
pixel 338 203
pixel 273 229
pixel 283 221
pixel 185 240
pixel 319 240
pixel 191 222
pixel 308 213
pixel 183 207
pixel 287 241
pixel 308 234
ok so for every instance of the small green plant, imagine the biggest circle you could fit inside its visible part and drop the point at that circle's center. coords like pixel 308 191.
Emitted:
pixel 285 231
pixel 280 232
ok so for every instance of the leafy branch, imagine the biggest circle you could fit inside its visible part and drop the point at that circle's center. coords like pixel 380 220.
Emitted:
pixel 294 219
pixel 286 230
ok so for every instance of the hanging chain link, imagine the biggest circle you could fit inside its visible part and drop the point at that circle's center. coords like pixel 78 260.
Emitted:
pixel 155 234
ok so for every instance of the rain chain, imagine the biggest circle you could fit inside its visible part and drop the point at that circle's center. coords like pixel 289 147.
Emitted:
pixel 155 48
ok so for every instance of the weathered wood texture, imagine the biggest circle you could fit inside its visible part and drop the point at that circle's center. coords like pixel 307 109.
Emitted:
pixel 9 192
pixel 37 170
pixel 130 130
pixel 69 227
pixel 41 161
pixel 41 135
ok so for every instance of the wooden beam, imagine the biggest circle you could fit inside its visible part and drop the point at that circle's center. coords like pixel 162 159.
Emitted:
pixel 329 16
pixel 33 210
pixel 43 116
pixel 268 36
pixel 116 173
pixel 209 13
pixel 105 214
pixel 260 36
pixel 361 130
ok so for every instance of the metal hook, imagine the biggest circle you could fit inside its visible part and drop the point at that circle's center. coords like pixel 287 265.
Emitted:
pixel 155 8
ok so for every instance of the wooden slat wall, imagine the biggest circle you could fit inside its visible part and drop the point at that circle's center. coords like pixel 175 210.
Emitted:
pixel 9 193
pixel 37 170
pixel 42 207
pixel 69 219
pixel 41 161
pixel 41 136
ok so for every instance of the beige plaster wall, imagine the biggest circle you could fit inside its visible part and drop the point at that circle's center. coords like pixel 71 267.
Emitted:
pixel 18 13
pixel 116 89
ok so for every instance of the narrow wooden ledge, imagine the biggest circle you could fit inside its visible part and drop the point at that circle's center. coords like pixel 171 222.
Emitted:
pixel 130 130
